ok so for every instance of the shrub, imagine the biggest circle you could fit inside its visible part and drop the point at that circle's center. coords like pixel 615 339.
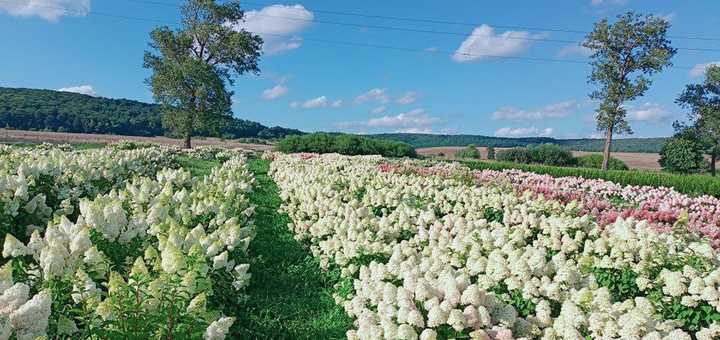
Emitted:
pixel 515 155
pixel 469 151
pixel 491 153
pixel 551 154
pixel 344 144
pixel 682 156
pixel 594 161
pixel 546 153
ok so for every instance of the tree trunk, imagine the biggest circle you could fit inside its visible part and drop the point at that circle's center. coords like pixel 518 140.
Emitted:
pixel 608 143
pixel 713 158
pixel 187 141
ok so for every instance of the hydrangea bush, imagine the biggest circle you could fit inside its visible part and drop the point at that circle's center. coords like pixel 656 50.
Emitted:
pixel 160 256
pixel 37 183
pixel 441 252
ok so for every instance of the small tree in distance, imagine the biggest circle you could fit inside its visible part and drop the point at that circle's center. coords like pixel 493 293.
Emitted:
pixel 624 55
pixel 193 65
pixel 470 151
pixel 491 153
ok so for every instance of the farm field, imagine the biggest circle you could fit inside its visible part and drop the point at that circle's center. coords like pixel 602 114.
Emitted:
pixel 24 136
pixel 138 241
pixel 634 160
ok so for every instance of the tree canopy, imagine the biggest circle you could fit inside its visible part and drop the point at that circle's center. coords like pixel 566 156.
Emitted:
pixel 194 64
pixel 624 56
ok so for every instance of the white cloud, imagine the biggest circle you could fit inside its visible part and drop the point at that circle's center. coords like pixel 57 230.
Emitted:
pixel 270 22
pixel 311 103
pixel 574 50
pixel 449 130
pixel 483 43
pixel 408 98
pixel 524 132
pixel 275 92
pixel 274 76
pixel 84 89
pixel 648 112
pixel 338 103
pixel 700 69
pixel 42 8
pixel 374 95
pixel 607 2
pixel 414 130
pixel 379 109
pixel 417 118
pixel 431 49
pixel 558 110
pixel 669 17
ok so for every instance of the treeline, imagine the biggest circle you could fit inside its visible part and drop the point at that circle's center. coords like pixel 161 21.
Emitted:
pixel 344 144
pixel 652 145
pixel 47 110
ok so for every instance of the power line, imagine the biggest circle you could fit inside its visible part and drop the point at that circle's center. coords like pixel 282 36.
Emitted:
pixel 362 15
pixel 398 48
pixel 413 30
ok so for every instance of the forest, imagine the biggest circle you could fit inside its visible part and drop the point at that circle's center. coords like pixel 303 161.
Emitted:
pixel 417 140
pixel 47 110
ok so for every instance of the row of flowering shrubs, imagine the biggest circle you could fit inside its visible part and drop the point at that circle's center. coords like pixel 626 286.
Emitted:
pixel 37 183
pixel 163 256
pixel 441 252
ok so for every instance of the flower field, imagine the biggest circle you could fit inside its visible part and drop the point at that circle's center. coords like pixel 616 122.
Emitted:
pixel 437 251
pixel 135 241
pixel 118 243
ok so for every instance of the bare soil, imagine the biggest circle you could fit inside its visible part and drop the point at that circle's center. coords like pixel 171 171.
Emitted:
pixel 634 160
pixel 63 137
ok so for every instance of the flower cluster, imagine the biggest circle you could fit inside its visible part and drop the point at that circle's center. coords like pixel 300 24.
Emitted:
pixel 37 183
pixel 215 152
pixel 440 252
pixel 147 259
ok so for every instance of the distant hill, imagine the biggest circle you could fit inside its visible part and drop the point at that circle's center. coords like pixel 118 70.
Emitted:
pixel 47 110
pixel 652 145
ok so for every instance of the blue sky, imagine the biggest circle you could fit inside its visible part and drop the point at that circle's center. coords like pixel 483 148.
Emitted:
pixel 314 86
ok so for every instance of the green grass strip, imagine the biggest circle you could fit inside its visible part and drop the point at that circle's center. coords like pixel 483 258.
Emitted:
pixel 198 167
pixel 289 296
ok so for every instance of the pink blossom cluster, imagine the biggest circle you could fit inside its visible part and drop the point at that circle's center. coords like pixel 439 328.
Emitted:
pixel 661 207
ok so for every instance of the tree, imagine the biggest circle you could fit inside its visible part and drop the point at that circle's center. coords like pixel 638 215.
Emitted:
pixel 193 65
pixel 682 155
pixel 624 55
pixel 491 153
pixel 470 151
pixel 703 100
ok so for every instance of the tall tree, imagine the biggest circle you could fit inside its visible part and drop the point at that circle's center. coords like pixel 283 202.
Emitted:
pixel 703 100
pixel 194 64
pixel 625 54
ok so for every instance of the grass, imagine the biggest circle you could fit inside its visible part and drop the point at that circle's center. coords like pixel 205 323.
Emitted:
pixel 198 167
pixel 289 296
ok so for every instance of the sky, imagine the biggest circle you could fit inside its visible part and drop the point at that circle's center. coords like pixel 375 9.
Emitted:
pixel 349 73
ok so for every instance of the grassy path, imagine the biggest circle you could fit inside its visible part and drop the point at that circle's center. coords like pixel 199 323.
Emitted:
pixel 290 297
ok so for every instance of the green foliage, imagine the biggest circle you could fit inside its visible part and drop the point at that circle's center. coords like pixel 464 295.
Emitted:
pixel 469 151
pixel 193 65
pixel 595 161
pixel 625 54
pixel 620 283
pixel 491 153
pixel 683 156
pixel 703 100
pixel 46 110
pixel 344 144
pixel 493 215
pixel 546 153
pixel 688 184
pixel 418 140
